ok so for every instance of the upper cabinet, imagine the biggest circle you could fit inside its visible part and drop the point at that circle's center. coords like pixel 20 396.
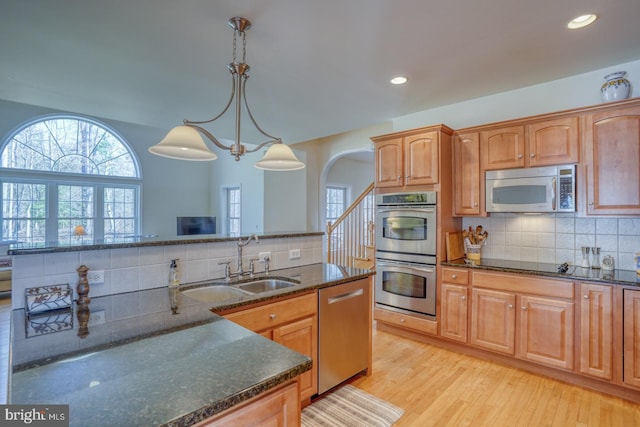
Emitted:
pixel 405 160
pixel 502 148
pixel 541 143
pixel 553 142
pixel 612 157
pixel 468 191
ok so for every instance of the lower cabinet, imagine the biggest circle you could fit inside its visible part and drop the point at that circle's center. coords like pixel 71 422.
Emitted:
pixel 508 319
pixel 631 338
pixel 293 323
pixel 596 330
pixel 280 407
pixel 454 312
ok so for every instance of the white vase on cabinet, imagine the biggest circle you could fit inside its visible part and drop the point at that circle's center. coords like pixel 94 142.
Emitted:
pixel 615 87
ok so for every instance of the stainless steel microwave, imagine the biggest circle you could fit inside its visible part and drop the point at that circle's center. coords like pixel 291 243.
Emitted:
pixel 542 189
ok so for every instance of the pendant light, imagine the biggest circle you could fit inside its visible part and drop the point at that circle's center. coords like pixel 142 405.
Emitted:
pixel 185 142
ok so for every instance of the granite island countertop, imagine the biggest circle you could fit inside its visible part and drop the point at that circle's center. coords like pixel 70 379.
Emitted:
pixel 140 364
pixel 617 277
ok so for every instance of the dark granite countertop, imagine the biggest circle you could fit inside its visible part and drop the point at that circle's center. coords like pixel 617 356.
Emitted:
pixel 141 365
pixel 617 277
pixel 141 241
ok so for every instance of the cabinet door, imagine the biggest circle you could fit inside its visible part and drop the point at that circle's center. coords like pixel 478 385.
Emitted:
pixel 493 320
pixel 502 148
pixel 596 331
pixel 553 142
pixel 421 158
pixel 302 336
pixel 546 331
pixel 613 162
pixel 278 408
pixel 468 184
pixel 389 163
pixel 454 312
pixel 631 328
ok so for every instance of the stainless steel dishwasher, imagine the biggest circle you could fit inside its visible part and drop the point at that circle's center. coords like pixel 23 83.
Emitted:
pixel 343 342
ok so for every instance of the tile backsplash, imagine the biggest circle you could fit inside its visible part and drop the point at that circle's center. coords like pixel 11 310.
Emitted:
pixel 141 268
pixel 558 238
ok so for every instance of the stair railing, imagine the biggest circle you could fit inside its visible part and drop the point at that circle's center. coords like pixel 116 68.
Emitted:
pixel 350 235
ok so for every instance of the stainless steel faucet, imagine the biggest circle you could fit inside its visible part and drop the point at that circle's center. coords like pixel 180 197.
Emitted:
pixel 242 244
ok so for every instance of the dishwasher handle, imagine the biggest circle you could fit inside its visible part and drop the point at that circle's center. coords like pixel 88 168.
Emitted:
pixel 346 296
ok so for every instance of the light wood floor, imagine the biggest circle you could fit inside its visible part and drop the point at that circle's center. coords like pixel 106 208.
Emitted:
pixel 437 387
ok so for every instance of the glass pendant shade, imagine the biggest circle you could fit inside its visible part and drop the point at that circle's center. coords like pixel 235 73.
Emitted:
pixel 279 157
pixel 183 143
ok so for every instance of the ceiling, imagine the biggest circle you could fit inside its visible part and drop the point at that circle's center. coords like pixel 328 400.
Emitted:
pixel 317 67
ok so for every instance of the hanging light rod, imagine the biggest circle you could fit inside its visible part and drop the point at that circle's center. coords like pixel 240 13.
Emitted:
pixel 185 142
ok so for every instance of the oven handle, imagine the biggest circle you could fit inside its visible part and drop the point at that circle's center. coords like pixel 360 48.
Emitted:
pixel 422 210
pixel 405 265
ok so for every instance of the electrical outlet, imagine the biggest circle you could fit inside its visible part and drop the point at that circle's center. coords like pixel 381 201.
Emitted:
pixel 262 255
pixel 95 277
pixel 294 254
pixel 97 317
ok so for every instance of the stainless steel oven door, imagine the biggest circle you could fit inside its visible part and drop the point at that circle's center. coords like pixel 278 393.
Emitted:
pixel 406 286
pixel 409 230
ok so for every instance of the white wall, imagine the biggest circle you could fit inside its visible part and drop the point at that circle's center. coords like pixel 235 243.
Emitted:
pixel 285 199
pixel 353 174
pixel 572 92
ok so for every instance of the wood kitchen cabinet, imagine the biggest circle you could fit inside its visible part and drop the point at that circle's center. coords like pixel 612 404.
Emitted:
pixel 502 148
pixel 454 304
pixel 531 318
pixel 552 142
pixel 596 330
pixel 612 155
pixel 409 159
pixel 280 407
pixel 293 323
pixel 631 338
pixel 468 180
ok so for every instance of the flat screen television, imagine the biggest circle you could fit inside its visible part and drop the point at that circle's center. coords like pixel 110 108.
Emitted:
pixel 190 225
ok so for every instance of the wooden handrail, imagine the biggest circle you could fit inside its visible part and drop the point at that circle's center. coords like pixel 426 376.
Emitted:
pixel 356 229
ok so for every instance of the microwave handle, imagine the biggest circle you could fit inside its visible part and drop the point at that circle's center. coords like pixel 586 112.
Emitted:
pixel 553 194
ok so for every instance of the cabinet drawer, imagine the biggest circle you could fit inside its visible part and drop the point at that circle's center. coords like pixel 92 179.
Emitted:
pixel 523 284
pixel 277 313
pixel 456 276
pixel 405 321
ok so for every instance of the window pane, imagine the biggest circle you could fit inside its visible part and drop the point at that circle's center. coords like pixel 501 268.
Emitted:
pixel 24 212
pixel 233 210
pixel 75 214
pixel 68 145
pixel 119 213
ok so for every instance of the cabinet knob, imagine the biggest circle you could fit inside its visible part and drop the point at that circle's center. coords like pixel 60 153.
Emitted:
pixel 524 308
pixel 586 297
pixel 272 316
pixel 399 178
pixel 590 203
pixel 475 204
pixel 533 155
pixel 454 276
pixel 510 306
pixel 463 297
pixel 519 156
pixel 401 320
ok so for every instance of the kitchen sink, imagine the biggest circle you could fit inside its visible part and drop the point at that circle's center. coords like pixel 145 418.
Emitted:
pixel 215 293
pixel 265 285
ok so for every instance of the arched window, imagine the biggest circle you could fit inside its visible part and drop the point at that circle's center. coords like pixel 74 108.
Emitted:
pixel 68 180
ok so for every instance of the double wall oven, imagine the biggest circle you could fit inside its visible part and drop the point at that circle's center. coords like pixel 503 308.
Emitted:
pixel 406 252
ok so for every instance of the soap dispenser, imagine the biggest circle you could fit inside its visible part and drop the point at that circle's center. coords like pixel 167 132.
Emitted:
pixel 173 286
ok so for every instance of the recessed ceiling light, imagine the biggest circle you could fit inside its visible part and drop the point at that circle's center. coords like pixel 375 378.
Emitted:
pixel 581 21
pixel 399 80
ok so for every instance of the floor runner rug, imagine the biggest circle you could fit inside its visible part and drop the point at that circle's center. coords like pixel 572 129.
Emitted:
pixel 349 406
